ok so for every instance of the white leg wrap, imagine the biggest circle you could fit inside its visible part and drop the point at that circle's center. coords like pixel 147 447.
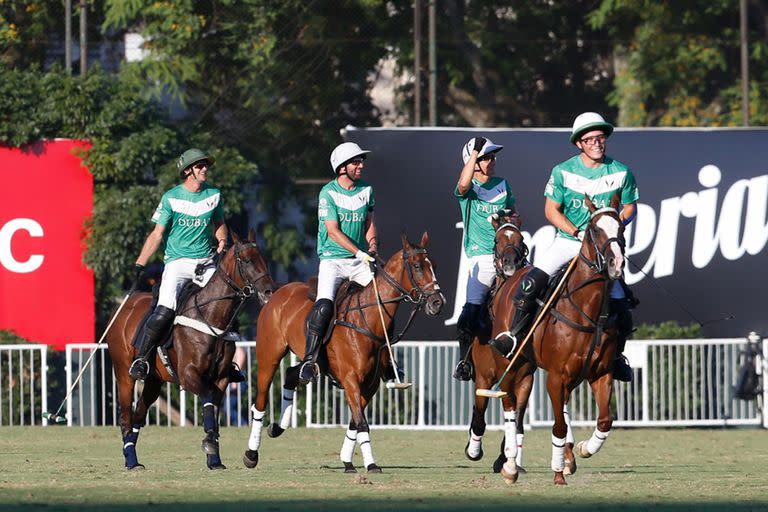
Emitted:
pixel 475 444
pixel 558 454
pixel 257 420
pixel 348 446
pixel 286 409
pixel 510 431
pixel 596 441
pixel 569 435
pixel 364 440
pixel 519 457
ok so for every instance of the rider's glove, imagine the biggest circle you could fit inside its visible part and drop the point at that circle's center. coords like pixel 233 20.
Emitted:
pixel 479 143
pixel 364 257
pixel 579 234
pixel 138 270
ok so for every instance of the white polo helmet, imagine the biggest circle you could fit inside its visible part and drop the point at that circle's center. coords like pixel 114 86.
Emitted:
pixel 488 148
pixel 589 121
pixel 345 152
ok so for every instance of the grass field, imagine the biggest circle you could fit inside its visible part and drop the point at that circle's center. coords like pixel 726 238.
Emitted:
pixel 59 468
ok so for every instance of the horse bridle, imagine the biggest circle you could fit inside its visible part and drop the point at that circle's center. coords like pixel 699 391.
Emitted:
pixel 249 289
pixel 598 265
pixel 521 252
pixel 417 295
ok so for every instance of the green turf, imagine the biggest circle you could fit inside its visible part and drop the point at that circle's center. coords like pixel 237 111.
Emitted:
pixel 59 468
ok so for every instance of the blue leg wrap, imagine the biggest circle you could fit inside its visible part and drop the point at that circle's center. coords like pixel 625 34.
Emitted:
pixel 129 449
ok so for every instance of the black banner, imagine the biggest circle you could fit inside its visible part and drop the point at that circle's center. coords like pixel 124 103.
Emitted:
pixel 700 234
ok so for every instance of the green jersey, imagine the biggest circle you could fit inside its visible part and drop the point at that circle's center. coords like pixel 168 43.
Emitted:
pixel 480 202
pixel 187 217
pixel 350 209
pixel 571 179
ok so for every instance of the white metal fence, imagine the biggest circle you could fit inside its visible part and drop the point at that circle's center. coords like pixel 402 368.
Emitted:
pixel 676 383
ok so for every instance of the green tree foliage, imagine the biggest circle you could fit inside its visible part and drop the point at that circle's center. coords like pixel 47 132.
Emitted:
pixel 678 63
pixel 667 331
pixel 132 158
pixel 505 63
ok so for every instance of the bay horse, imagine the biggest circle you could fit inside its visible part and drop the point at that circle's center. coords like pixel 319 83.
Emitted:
pixel 199 356
pixel 355 350
pixel 574 342
pixel 510 253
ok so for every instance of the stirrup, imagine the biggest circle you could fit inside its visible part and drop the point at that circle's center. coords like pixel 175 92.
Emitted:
pixel 308 372
pixel 621 369
pixel 139 369
pixel 464 370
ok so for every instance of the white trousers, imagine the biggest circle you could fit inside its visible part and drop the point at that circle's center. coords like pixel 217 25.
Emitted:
pixel 562 251
pixel 177 273
pixel 333 271
pixel 481 276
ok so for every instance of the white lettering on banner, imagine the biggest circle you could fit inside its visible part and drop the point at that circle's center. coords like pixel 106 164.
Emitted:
pixel 6 257
pixel 735 229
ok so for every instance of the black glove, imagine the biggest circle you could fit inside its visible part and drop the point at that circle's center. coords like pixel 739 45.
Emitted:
pixel 479 143
pixel 138 270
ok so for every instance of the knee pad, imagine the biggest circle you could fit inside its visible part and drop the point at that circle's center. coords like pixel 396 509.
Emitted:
pixel 531 286
pixel 320 316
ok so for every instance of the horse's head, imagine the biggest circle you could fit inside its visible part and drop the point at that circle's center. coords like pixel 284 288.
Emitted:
pixel 509 249
pixel 604 238
pixel 420 276
pixel 247 269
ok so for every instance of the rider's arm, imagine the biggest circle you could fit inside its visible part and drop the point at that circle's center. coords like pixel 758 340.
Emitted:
pixel 370 234
pixel 339 237
pixel 465 178
pixel 221 233
pixel 151 244
pixel 628 213
pixel 553 211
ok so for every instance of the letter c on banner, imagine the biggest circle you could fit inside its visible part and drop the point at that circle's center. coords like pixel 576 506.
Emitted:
pixel 6 257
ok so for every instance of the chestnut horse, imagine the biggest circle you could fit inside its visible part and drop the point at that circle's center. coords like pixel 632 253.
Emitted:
pixel 573 342
pixel 356 349
pixel 510 254
pixel 199 355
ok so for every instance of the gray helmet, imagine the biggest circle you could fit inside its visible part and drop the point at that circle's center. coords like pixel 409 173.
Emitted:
pixel 192 156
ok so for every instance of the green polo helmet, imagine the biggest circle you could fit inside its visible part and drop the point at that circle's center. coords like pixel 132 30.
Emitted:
pixel 192 156
pixel 589 121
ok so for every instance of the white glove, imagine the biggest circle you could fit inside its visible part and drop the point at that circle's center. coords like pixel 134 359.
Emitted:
pixel 364 257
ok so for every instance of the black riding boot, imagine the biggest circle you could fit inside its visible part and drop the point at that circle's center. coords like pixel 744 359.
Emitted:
pixel 466 327
pixel 157 326
pixel 621 369
pixel 528 291
pixel 317 325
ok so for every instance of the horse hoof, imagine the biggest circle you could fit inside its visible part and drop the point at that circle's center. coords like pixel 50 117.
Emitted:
pixel 509 477
pixel 475 458
pixel 251 458
pixel 570 467
pixel 581 450
pixel 349 468
pixel 560 479
pixel 498 463
pixel 274 430
pixel 135 466
pixel 217 466
pixel 373 468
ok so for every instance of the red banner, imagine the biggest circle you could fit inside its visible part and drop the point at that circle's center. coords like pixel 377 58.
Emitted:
pixel 46 291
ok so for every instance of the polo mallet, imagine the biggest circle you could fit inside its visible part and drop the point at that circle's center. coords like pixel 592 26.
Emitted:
pixel 495 392
pixel 58 418
pixel 389 384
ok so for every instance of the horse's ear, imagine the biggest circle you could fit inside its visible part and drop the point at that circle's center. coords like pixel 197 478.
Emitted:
pixel 236 237
pixel 517 220
pixel 424 239
pixel 590 205
pixel 404 240
pixel 251 235
pixel 615 201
